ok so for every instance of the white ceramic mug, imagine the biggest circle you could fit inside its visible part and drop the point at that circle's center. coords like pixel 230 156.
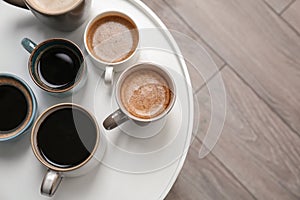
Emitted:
pixel 93 143
pixel 111 43
pixel 123 113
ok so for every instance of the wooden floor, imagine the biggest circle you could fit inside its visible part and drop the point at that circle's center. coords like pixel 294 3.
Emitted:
pixel 256 46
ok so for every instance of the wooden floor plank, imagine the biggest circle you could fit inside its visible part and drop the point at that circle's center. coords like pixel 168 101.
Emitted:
pixel 292 15
pixel 180 31
pixel 206 179
pixel 255 145
pixel 257 43
pixel 173 22
pixel 278 5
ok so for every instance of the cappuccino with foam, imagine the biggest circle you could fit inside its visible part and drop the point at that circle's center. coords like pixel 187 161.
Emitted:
pixel 112 38
pixel 145 94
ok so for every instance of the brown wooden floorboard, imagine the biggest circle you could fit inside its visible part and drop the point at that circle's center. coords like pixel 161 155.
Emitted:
pixel 292 15
pixel 255 145
pixel 256 43
pixel 278 5
pixel 206 179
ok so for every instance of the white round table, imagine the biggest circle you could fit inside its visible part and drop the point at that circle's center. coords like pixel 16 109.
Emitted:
pixel 133 168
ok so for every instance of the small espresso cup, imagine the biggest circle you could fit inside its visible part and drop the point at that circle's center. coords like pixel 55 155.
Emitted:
pixel 56 65
pixel 111 39
pixel 64 15
pixel 66 139
pixel 145 93
pixel 18 107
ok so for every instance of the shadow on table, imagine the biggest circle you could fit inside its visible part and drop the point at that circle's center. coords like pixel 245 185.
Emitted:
pixel 30 24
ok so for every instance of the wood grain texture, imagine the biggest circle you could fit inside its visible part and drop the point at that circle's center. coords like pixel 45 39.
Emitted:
pixel 181 32
pixel 255 145
pixel 173 22
pixel 292 15
pixel 257 43
pixel 206 179
pixel 278 5
pixel 258 153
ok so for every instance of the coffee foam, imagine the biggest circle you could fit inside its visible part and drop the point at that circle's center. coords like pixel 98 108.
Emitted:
pixel 145 94
pixel 53 6
pixel 112 38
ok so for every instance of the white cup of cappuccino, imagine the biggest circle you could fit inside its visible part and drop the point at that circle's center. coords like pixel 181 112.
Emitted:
pixel 111 39
pixel 145 93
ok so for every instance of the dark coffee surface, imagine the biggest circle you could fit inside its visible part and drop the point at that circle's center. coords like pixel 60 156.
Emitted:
pixel 58 67
pixel 13 107
pixel 66 138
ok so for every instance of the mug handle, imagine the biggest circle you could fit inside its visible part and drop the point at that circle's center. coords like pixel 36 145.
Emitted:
pixel 28 44
pixel 51 182
pixel 109 75
pixel 114 120
pixel 18 3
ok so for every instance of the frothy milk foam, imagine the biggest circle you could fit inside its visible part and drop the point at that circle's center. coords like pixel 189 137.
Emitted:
pixel 145 94
pixel 53 6
pixel 112 38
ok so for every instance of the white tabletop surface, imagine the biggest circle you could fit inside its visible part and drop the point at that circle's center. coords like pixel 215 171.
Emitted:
pixel 132 168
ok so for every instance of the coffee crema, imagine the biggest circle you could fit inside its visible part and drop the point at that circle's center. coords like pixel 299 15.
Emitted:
pixel 53 6
pixel 112 38
pixel 145 94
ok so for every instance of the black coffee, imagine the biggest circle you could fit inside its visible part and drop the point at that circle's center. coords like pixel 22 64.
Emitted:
pixel 13 108
pixel 58 66
pixel 66 137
